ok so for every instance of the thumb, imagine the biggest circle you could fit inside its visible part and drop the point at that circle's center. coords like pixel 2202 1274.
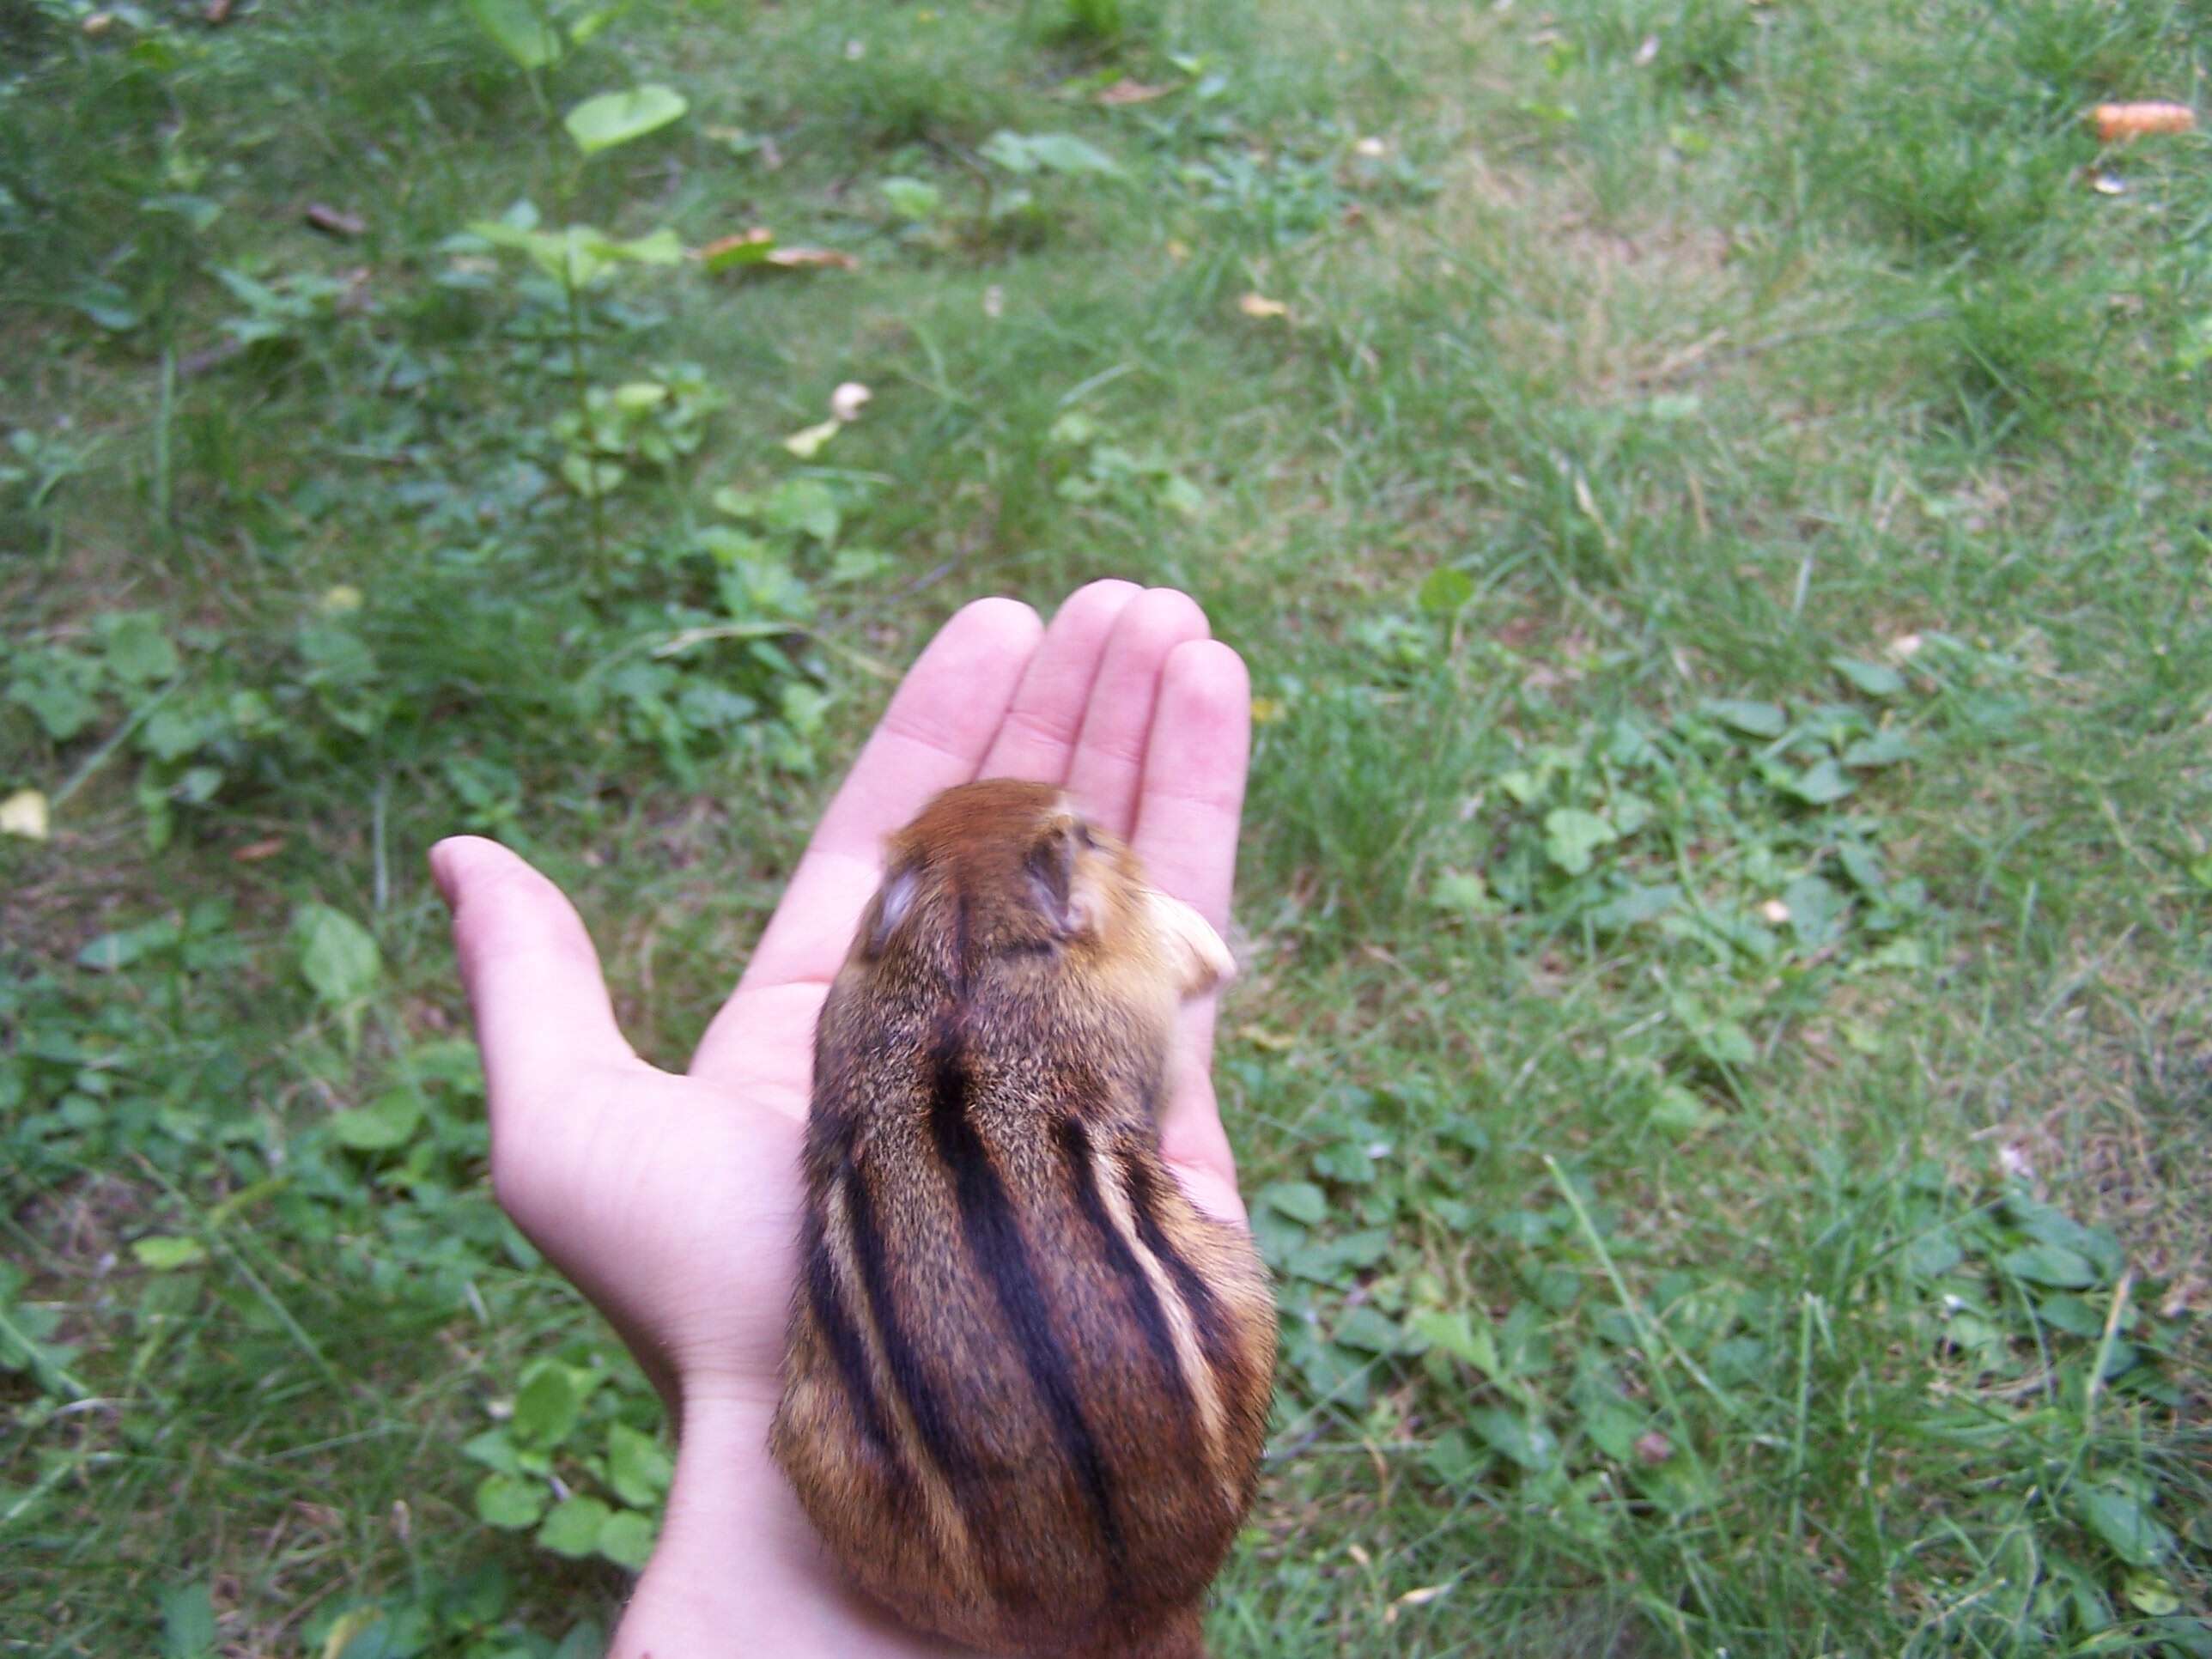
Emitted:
pixel 536 991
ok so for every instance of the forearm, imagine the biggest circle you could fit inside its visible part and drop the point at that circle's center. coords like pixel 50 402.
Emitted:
pixel 739 1572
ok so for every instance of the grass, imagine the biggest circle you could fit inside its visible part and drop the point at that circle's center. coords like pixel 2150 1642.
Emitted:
pixel 1723 1072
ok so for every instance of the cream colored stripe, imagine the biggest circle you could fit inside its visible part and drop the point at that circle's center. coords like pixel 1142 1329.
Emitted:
pixel 1183 1329
pixel 948 1527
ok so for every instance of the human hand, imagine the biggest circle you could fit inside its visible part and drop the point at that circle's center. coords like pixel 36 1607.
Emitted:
pixel 673 1201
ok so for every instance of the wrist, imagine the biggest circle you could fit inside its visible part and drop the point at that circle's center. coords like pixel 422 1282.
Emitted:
pixel 739 1570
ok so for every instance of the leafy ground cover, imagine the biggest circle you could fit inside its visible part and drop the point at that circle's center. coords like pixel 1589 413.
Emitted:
pixel 1712 495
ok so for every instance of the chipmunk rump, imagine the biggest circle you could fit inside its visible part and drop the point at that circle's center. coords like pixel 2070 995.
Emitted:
pixel 1026 1381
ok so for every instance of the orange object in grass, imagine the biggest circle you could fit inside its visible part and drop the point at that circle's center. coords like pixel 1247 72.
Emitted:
pixel 2116 122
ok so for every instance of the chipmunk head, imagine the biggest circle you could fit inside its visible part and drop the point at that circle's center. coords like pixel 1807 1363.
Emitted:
pixel 1008 866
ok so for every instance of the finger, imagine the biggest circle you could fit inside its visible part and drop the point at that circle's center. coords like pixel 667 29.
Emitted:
pixel 935 734
pixel 1109 764
pixel 1038 739
pixel 535 990
pixel 1192 800
pixel 1188 819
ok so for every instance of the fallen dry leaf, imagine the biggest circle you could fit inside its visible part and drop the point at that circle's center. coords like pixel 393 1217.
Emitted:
pixel 334 221
pixel 1655 1448
pixel 2119 122
pixel 254 850
pixel 812 258
pixel 1258 305
pixel 24 813
pixel 1126 91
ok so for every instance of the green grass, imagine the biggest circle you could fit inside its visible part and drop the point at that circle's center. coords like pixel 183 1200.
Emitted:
pixel 1723 1062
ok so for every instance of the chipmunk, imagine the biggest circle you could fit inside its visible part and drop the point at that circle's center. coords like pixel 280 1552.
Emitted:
pixel 1026 1380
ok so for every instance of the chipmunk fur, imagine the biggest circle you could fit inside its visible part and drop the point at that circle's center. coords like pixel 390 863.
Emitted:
pixel 1026 1380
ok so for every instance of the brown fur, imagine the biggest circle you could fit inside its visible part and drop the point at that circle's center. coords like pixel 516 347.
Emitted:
pixel 1026 1381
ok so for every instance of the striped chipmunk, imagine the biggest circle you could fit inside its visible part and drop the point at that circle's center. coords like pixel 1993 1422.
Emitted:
pixel 1026 1380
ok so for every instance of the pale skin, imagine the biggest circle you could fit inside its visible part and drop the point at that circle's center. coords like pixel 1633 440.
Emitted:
pixel 672 1198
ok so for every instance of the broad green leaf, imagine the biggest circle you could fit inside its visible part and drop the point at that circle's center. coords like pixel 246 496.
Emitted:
pixel 1816 912
pixel 638 1466
pixel 126 946
pixel 1300 1200
pixel 389 1120
pixel 2150 1595
pixel 1446 589
pixel 1883 749
pixel 546 1405
pixel 2129 1530
pixel 187 1622
pixel 2050 1264
pixel 1874 679
pixel 1757 720
pixel 626 1538
pixel 572 1526
pixel 1819 784
pixel 137 650
pixel 1571 836
pixel 2050 1226
pixel 1010 150
pixel 1637 904
pixel 495 1450
pixel 339 956
pixel 164 1254
pixel 1063 151
pixel 1932 1254
pixel 1369 1330
pixel 510 1502
pixel 1680 1112
pixel 617 117
pixel 913 198
pixel 585 1641
pixel 1455 1332
pixel 802 506
pixel 1528 1442
pixel 518 28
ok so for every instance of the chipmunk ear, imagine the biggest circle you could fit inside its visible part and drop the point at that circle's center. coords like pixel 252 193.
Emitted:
pixel 1066 888
pixel 893 901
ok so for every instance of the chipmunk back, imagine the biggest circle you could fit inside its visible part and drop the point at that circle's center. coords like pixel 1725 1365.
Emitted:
pixel 1026 1380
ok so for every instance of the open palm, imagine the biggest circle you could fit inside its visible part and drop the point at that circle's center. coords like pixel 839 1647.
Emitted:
pixel 672 1200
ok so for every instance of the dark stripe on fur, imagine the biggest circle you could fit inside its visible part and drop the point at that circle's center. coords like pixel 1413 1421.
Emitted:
pixel 1076 1143
pixel 1214 1333
pixel 846 1347
pixel 931 1421
pixel 994 1240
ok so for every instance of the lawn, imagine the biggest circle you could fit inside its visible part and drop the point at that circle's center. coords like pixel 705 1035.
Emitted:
pixel 1713 497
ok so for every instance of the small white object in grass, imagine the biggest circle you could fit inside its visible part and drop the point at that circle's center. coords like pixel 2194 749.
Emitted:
pixel 25 813
pixel 807 442
pixel 1258 305
pixel 855 50
pixel 2108 184
pixel 1648 51
pixel 2015 1162
pixel 1905 645
pixel 847 400
pixel 1371 147
pixel 1774 911
pixel 994 302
